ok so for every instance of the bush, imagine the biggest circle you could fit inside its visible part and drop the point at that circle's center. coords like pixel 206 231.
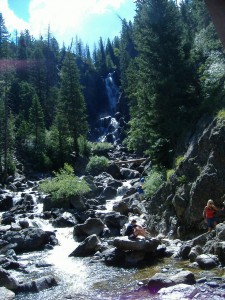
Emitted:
pixel 64 185
pixel 100 146
pixel 97 164
pixel 153 182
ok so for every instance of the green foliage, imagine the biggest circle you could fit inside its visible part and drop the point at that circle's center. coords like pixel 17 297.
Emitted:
pixel 182 179
pixel 153 181
pixel 169 173
pixel 64 185
pixel 97 164
pixel 179 160
pixel 221 115
pixel 100 146
pixel 84 146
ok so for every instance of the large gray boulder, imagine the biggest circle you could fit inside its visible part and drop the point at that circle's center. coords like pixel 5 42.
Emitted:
pixel 207 261
pixel 162 280
pixel 29 239
pixel 124 243
pixel 89 227
pixel 88 247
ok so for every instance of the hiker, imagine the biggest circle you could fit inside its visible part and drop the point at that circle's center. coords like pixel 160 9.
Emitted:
pixel 209 214
pixel 141 193
pixel 134 230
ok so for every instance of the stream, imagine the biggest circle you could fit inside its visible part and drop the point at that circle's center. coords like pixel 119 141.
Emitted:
pixel 87 278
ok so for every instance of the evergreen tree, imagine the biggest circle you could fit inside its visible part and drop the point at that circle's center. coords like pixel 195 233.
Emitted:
pixel 37 128
pixel 4 38
pixel 159 111
pixel 72 100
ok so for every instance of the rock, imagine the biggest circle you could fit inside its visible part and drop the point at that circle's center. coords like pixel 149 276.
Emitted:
pixel 6 202
pixel 115 220
pixel 88 247
pixel 219 250
pixel 195 251
pixel 124 243
pixel 220 231
pixel 207 261
pixel 6 294
pixel 29 239
pixel 160 280
pixel 179 291
pixel 38 285
pixel 8 281
pixel 89 227
pixel 65 220
pixel 114 256
pixel 129 173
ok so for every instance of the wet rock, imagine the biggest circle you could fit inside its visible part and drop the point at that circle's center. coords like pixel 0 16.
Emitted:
pixel 89 227
pixel 109 192
pixel 38 285
pixel 65 220
pixel 179 291
pixel 6 202
pixel 29 239
pixel 88 247
pixel 207 261
pixel 161 280
pixel 115 220
pixel 185 250
pixel 114 256
pixel 7 280
pixel 129 173
pixel 114 170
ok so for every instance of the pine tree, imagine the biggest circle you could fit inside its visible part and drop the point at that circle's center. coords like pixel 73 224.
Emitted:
pixel 159 108
pixel 72 100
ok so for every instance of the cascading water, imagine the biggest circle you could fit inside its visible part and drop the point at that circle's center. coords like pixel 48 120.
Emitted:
pixel 112 93
pixel 109 125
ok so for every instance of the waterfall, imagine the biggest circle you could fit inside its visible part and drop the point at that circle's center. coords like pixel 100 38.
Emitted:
pixel 112 92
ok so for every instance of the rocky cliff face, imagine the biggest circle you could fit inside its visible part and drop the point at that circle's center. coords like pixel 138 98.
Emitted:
pixel 176 208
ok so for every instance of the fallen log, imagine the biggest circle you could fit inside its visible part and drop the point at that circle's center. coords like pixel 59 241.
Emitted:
pixel 137 160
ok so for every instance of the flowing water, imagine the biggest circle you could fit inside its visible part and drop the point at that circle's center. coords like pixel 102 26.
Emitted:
pixel 88 278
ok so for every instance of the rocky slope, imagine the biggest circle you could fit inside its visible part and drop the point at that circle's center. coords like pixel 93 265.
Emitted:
pixel 176 208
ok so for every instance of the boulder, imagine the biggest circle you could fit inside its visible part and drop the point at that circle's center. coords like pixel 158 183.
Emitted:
pixel 179 291
pixel 124 243
pixel 88 247
pixel 29 239
pixel 195 251
pixel 89 227
pixel 161 280
pixel 65 220
pixel 207 261
pixel 38 285
pixel 8 281
pixel 6 294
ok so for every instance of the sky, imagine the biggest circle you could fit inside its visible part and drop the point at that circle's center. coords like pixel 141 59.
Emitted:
pixel 87 19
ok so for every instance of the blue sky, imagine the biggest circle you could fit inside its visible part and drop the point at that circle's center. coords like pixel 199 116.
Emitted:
pixel 88 19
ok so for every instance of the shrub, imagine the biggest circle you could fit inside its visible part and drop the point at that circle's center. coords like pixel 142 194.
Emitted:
pixel 64 185
pixel 221 115
pixel 153 182
pixel 100 147
pixel 97 164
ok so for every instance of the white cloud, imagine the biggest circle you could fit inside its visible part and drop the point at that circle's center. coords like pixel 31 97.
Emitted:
pixel 67 18
pixel 12 22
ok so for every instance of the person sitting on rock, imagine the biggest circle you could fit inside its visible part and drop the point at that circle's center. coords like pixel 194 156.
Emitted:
pixel 209 215
pixel 134 230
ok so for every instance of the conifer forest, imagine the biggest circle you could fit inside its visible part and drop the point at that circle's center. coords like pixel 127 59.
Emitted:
pixel 169 65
